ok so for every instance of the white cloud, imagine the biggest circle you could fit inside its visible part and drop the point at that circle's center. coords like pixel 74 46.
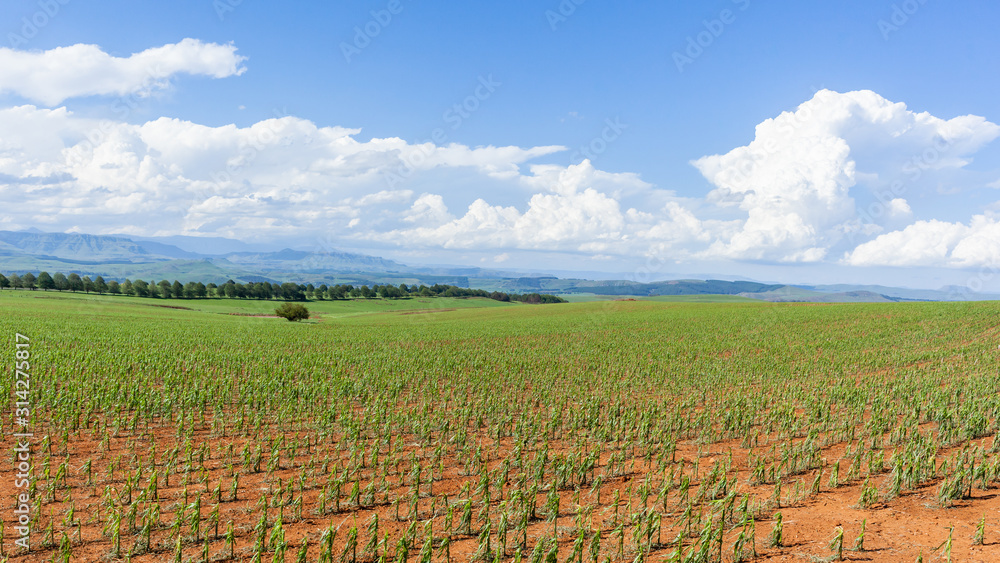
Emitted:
pixel 382 197
pixel 934 243
pixel 50 77
pixel 787 196
pixel 577 211
pixel 920 244
pixel 284 174
pixel 898 207
pixel 795 180
pixel 428 208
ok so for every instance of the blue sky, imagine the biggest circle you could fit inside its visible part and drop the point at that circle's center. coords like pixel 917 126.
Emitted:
pixel 280 124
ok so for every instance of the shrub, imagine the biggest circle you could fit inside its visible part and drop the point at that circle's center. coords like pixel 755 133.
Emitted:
pixel 292 312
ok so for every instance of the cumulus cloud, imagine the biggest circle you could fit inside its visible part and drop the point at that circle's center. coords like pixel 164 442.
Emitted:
pixel 934 243
pixel 576 212
pixel 801 191
pixel 428 209
pixel 899 207
pixel 50 77
pixel 287 176
pixel 796 181
pixel 280 176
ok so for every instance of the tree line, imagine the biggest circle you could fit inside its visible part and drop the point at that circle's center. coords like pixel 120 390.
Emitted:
pixel 287 291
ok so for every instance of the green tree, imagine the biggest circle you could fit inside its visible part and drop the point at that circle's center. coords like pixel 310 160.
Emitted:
pixel 140 288
pixel 100 286
pixel 75 283
pixel 291 292
pixel 114 288
pixel 165 290
pixel 177 290
pixel 29 281
pixel 4 282
pixel 45 281
pixel 88 284
pixel 266 290
pixel 292 312
pixel 62 284
pixel 15 281
pixel 127 287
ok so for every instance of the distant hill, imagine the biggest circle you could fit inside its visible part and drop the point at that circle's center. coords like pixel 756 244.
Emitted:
pixel 288 260
pixel 678 287
pixel 118 257
pixel 900 292
pixel 202 246
pixel 216 260
pixel 789 293
pixel 75 247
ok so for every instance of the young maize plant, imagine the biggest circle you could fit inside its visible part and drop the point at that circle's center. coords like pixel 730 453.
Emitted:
pixel 979 537
pixel 178 550
pixel 402 550
pixel 859 542
pixel 65 549
pixel 595 546
pixel 552 510
pixel 834 480
pixel 745 548
pixel 326 541
pixel 775 538
pixel 445 546
pixel 372 530
pixel 946 545
pixel 465 525
pixel 837 545
pixel 427 549
pixel 195 508
pixel 869 495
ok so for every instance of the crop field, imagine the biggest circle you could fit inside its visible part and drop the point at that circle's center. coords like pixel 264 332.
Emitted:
pixel 472 430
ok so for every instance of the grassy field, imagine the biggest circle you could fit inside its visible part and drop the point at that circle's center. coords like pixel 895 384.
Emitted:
pixel 248 306
pixel 464 429
pixel 585 297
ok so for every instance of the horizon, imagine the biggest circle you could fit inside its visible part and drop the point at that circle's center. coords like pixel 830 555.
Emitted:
pixel 781 143
pixel 648 276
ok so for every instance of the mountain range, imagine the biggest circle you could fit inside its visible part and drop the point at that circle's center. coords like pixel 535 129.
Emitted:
pixel 219 259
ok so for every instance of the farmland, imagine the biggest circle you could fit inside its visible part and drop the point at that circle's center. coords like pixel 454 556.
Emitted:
pixel 462 429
